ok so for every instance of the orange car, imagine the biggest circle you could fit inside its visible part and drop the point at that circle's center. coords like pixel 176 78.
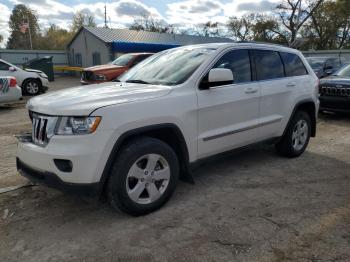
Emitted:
pixel 109 72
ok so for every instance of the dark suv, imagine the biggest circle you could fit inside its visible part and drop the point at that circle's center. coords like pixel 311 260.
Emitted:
pixel 324 66
pixel 335 91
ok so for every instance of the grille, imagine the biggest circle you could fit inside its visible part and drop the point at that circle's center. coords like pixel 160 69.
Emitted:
pixel 335 91
pixel 39 125
pixel 42 128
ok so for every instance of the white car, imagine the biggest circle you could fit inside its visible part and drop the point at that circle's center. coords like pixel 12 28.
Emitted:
pixel 9 90
pixel 132 139
pixel 31 81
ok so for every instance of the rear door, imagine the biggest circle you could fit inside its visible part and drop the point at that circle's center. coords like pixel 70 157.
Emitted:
pixel 228 115
pixel 276 92
pixel 282 77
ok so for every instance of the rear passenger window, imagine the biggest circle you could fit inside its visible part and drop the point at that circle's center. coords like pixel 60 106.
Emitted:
pixel 239 63
pixel 268 65
pixel 293 65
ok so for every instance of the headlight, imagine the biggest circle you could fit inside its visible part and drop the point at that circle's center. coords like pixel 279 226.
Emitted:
pixel 43 75
pixel 100 77
pixel 77 125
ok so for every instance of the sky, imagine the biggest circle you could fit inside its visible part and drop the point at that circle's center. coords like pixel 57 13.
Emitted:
pixel 121 13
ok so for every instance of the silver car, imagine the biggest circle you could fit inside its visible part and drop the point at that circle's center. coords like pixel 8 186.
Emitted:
pixel 9 90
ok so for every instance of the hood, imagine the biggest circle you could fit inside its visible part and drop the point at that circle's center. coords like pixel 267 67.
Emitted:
pixel 104 68
pixel 339 80
pixel 85 99
pixel 33 70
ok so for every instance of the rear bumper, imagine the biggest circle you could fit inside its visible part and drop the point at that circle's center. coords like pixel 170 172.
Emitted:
pixel 52 180
pixel 13 95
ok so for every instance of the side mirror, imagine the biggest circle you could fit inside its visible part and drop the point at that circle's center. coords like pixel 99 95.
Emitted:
pixel 329 67
pixel 220 76
pixel 12 69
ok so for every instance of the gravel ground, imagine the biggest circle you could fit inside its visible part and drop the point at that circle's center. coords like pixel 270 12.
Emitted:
pixel 250 205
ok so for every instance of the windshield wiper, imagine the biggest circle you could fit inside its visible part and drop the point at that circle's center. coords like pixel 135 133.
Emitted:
pixel 137 81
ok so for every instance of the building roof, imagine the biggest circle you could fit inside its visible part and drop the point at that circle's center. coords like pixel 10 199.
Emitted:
pixel 110 35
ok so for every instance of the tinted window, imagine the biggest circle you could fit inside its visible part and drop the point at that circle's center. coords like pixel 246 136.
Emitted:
pixel 333 62
pixel 316 63
pixel 293 65
pixel 239 63
pixel 268 65
pixel 123 60
pixel 4 66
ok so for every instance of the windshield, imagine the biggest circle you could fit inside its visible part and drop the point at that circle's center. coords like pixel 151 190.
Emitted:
pixel 344 71
pixel 123 60
pixel 316 63
pixel 171 67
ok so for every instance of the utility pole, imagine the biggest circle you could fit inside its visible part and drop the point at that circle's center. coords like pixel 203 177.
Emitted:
pixel 30 36
pixel 106 17
pixel 24 26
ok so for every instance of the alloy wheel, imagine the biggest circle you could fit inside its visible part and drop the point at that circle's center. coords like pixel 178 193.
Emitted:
pixel 32 88
pixel 300 134
pixel 148 179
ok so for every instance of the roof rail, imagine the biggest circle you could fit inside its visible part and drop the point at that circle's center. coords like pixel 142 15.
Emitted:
pixel 260 43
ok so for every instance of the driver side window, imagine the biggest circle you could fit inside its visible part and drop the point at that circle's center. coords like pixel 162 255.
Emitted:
pixel 238 62
pixel 4 67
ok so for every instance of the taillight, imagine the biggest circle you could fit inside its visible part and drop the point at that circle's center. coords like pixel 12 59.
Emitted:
pixel 318 86
pixel 13 82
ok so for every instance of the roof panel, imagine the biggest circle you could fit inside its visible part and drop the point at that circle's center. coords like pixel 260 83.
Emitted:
pixel 110 35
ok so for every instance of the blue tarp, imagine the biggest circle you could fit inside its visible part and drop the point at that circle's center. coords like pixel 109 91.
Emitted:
pixel 128 47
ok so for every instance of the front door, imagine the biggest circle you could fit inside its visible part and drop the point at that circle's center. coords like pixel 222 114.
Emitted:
pixel 228 115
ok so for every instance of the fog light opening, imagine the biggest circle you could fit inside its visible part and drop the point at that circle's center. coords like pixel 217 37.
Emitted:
pixel 64 165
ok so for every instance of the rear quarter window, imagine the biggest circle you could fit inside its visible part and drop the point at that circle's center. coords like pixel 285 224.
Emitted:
pixel 293 65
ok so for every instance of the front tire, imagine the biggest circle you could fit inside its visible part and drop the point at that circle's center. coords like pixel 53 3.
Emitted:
pixel 296 137
pixel 143 177
pixel 31 87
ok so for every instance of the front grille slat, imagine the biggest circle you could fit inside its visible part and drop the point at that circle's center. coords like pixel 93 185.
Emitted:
pixel 37 131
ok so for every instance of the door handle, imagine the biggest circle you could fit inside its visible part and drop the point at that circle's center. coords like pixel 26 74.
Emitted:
pixel 290 85
pixel 250 90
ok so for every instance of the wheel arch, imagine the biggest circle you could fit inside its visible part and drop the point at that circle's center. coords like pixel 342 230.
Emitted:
pixel 308 106
pixel 168 133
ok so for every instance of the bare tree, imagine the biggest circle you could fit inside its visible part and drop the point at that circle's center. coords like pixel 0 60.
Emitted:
pixel 146 22
pixel 208 29
pixel 293 14
pixel 241 28
pixel 81 19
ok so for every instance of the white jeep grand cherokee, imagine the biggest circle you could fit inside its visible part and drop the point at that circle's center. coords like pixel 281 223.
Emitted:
pixel 131 139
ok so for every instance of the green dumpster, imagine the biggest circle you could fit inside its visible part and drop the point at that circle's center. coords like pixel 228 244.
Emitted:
pixel 44 64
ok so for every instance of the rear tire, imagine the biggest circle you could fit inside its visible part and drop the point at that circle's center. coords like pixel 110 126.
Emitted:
pixel 296 137
pixel 143 176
